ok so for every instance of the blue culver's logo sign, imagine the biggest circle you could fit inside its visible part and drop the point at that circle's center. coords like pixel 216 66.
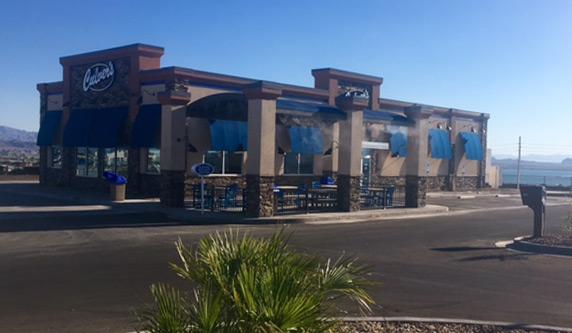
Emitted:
pixel 99 77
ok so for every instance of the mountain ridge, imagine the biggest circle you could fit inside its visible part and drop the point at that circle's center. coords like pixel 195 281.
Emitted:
pixel 13 135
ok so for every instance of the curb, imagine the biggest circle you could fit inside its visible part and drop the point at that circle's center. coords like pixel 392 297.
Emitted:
pixel 520 244
pixel 458 321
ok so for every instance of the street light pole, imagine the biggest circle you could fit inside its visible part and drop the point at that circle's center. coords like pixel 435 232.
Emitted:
pixel 518 165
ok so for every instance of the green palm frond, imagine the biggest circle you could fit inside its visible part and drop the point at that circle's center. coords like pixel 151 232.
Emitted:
pixel 170 315
pixel 247 284
pixel 346 277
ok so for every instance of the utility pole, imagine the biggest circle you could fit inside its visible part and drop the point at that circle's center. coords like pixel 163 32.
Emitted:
pixel 518 165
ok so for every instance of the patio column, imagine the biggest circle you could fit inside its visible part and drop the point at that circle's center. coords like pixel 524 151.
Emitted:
pixel 173 115
pixel 416 163
pixel 260 162
pixel 349 164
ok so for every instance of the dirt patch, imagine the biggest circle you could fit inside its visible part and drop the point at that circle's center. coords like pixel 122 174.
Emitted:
pixel 404 327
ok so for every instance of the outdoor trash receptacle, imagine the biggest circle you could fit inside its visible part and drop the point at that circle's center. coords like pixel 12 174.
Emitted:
pixel 117 186
pixel 117 192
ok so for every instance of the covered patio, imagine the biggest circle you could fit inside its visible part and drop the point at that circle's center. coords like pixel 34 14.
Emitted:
pixel 292 144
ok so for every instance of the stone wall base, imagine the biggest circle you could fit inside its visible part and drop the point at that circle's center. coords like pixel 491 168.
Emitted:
pixel 349 193
pixel 259 196
pixel 173 188
pixel 415 191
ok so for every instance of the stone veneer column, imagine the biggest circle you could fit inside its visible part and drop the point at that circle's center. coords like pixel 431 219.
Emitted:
pixel 260 162
pixel 349 165
pixel 173 115
pixel 417 148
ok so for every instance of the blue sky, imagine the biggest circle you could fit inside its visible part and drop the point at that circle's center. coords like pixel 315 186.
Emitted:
pixel 509 58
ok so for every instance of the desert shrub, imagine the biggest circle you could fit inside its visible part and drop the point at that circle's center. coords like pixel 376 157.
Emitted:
pixel 244 284
pixel 567 224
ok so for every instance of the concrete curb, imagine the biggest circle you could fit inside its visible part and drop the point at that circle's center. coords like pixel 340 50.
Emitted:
pixel 194 217
pixel 459 321
pixel 520 244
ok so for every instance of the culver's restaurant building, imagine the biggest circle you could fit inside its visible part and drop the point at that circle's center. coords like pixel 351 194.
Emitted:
pixel 118 110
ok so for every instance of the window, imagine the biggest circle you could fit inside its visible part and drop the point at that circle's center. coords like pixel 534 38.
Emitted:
pixel 225 162
pixel 299 164
pixel 87 162
pixel 153 160
pixel 115 161
pixel 56 157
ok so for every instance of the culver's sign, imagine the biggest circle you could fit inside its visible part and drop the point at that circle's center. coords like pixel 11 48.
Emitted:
pixel 99 77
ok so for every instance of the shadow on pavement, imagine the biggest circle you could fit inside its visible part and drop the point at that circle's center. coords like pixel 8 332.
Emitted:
pixel 462 249
pixel 87 220
pixel 499 257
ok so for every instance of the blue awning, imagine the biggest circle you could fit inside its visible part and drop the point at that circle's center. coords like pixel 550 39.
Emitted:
pixel 48 128
pixel 306 140
pixel 229 135
pixel 398 142
pixel 473 146
pixel 106 125
pixel 440 144
pixel 309 107
pixel 146 126
pixel 78 127
pixel 379 115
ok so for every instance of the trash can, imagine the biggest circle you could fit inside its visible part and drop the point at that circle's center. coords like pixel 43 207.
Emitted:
pixel 116 185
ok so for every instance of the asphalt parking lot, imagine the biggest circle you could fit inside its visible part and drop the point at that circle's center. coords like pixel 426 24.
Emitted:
pixel 447 265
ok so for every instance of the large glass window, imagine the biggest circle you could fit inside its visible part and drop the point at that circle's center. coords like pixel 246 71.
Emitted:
pixel 153 160
pixel 56 157
pixel 225 162
pixel 115 161
pixel 87 162
pixel 299 164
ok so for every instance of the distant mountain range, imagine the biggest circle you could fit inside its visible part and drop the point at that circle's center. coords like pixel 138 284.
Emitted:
pixel 553 158
pixel 16 143
pixel 512 163
pixel 8 134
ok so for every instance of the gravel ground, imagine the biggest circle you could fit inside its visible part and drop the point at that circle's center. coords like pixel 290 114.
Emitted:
pixel 403 327
pixel 553 240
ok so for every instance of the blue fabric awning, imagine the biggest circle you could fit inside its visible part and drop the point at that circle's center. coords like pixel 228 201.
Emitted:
pixel 78 127
pixel 306 140
pixel 309 107
pixel 106 125
pixel 398 142
pixel 146 126
pixel 473 146
pixel 229 135
pixel 440 144
pixel 48 128
pixel 379 115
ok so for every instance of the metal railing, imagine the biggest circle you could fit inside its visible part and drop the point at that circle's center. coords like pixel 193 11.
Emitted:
pixel 292 199
pixel 382 197
pixel 220 198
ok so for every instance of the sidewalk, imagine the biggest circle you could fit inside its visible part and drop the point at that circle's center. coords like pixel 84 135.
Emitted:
pixel 85 201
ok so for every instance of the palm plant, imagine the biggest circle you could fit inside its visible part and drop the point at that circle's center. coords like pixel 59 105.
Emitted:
pixel 255 285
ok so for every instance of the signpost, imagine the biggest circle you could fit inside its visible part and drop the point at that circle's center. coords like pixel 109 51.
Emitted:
pixel 202 170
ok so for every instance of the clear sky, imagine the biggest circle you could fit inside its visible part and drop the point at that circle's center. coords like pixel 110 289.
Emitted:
pixel 509 58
